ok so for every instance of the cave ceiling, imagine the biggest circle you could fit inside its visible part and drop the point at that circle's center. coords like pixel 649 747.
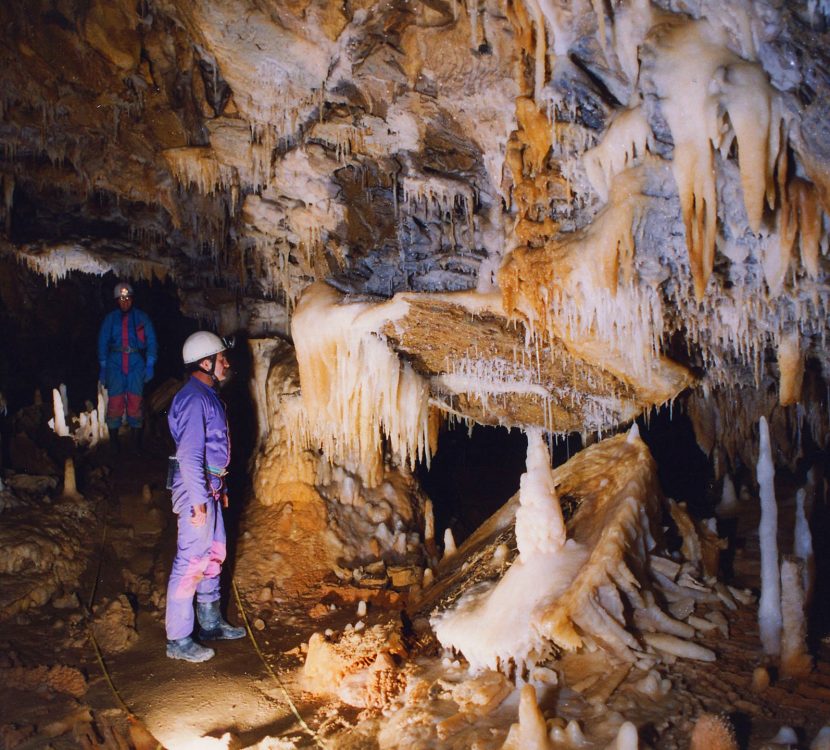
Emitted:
pixel 646 188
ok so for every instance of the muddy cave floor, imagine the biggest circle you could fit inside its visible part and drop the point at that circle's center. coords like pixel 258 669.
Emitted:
pixel 178 703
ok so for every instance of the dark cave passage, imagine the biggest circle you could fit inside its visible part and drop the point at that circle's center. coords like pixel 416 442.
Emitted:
pixel 472 474
pixel 51 331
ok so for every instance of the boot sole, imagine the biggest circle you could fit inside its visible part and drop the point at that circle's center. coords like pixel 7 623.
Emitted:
pixel 192 660
pixel 205 635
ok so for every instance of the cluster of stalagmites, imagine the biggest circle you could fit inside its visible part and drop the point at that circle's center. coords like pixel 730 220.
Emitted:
pixel 619 606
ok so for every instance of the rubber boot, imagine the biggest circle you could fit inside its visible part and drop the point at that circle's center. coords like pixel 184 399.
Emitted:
pixel 188 650
pixel 211 625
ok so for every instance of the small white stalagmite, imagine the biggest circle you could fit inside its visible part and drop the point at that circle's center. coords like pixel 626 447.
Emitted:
pixel 531 733
pixel 822 740
pixel 627 738
pixel 60 415
pixel 803 544
pixel 64 398
pixel 769 606
pixel 449 544
pixel 101 413
pixel 728 505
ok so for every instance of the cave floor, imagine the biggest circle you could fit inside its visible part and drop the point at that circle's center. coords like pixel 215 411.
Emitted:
pixel 183 705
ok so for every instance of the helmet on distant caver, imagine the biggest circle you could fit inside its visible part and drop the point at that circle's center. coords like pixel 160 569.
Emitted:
pixel 201 345
pixel 122 289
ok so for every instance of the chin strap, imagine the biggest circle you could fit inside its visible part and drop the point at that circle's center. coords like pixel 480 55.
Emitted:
pixel 212 371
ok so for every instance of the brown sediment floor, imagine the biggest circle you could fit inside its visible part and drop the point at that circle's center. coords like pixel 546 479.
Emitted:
pixel 235 696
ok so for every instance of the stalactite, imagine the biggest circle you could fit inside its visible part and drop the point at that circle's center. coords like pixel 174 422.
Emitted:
pixel 355 390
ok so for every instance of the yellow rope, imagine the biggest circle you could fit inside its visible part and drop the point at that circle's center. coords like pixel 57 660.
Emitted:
pixel 319 742
pixel 100 564
pixel 108 678
pixel 98 654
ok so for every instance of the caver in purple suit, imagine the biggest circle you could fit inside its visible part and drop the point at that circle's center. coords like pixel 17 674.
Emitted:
pixel 200 429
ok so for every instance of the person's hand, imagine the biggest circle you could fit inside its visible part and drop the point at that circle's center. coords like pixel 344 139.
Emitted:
pixel 102 374
pixel 198 514
pixel 148 374
pixel 224 499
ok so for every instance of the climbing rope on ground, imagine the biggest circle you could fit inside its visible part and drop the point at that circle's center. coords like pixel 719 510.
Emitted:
pixel 131 717
pixel 311 733
pixel 134 720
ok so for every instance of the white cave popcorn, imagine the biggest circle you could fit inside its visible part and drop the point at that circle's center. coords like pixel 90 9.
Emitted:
pixel 498 625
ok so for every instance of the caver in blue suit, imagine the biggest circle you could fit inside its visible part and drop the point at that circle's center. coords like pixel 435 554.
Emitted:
pixel 127 353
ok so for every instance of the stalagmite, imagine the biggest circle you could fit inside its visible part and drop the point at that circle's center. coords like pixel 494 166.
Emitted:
pixel 627 738
pixel 449 544
pixel 70 487
pixel 795 660
pixel 760 679
pixel 769 606
pixel 571 736
pixel 531 733
pixel 497 626
pixel 429 523
pixel 822 740
pixel 59 423
pixel 728 505
pixel 785 738
pixel 803 544
pixel 64 398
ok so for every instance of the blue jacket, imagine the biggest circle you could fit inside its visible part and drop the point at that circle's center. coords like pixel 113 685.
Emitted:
pixel 203 449
pixel 141 338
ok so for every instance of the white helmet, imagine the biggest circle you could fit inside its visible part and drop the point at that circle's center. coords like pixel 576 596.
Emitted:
pixel 122 289
pixel 200 345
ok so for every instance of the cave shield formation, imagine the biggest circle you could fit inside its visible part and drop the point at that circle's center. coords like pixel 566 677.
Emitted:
pixel 532 379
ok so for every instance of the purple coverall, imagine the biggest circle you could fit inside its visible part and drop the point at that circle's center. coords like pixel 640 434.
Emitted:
pixel 200 429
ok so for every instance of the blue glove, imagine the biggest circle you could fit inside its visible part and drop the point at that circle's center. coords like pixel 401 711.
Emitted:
pixel 102 374
pixel 148 373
